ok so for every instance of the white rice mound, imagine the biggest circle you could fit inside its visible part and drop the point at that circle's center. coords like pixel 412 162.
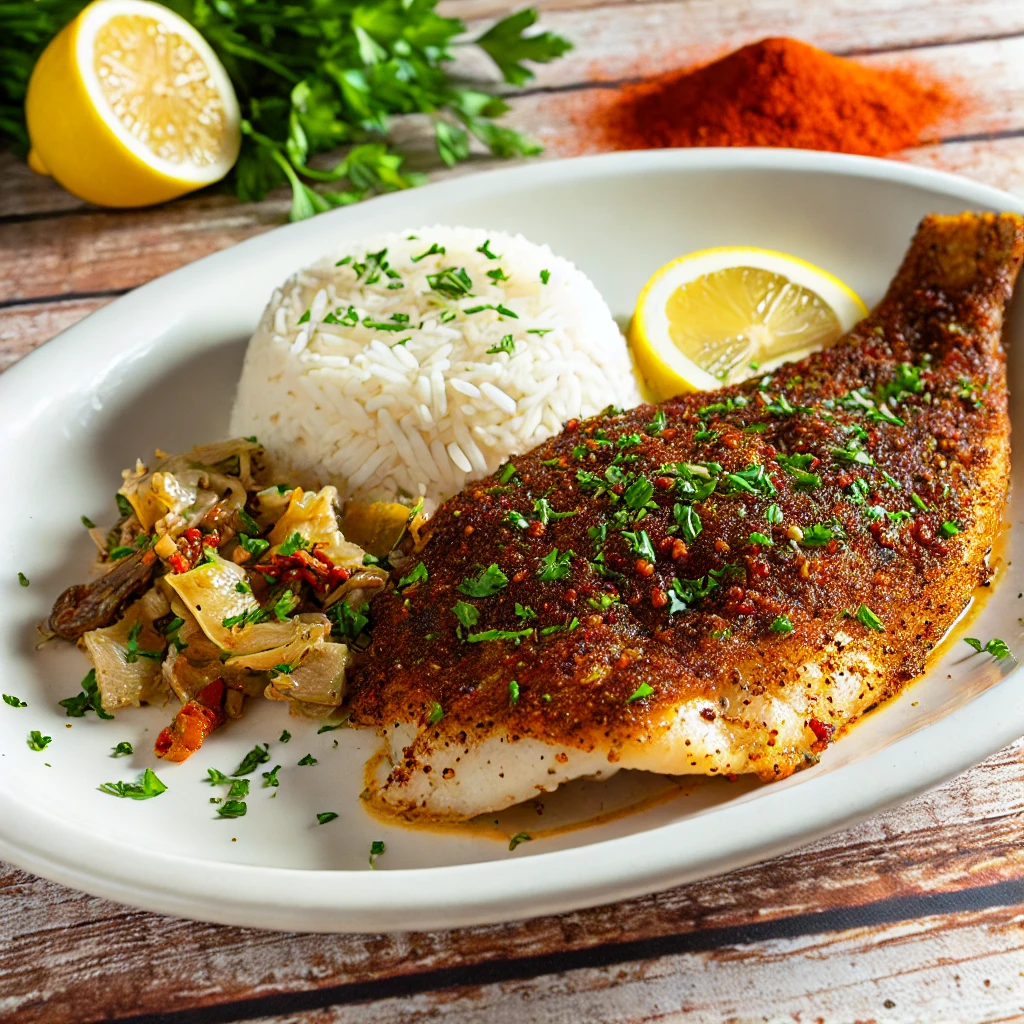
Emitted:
pixel 422 409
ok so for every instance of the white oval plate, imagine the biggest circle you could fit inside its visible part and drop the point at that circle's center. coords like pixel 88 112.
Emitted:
pixel 158 368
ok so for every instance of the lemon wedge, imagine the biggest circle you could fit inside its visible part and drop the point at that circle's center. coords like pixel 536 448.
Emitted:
pixel 718 316
pixel 129 105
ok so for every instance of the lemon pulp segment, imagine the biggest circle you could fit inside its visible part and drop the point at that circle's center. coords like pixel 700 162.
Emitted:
pixel 742 318
pixel 160 90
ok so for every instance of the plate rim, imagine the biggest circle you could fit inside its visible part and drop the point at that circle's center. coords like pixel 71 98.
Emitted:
pixel 544 883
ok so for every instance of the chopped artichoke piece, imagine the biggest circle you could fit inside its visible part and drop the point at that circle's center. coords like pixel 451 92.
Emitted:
pixel 210 592
pixel 311 515
pixel 376 527
pixel 319 679
pixel 305 633
pixel 127 656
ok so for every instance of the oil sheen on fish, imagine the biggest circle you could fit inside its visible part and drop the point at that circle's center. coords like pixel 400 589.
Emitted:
pixel 720 584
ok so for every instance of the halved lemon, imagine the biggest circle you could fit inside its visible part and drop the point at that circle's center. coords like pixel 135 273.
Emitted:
pixel 129 105
pixel 718 316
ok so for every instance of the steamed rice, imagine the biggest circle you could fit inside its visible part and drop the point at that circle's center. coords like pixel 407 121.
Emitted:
pixel 371 372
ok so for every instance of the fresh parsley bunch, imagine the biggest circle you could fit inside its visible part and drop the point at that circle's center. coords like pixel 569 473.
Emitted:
pixel 315 75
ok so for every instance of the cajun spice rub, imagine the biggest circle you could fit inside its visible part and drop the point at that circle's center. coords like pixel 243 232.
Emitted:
pixel 716 585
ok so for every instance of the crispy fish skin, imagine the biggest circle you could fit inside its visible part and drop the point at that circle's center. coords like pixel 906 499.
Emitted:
pixel 720 687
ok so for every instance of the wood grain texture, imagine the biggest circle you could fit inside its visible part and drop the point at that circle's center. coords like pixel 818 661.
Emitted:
pixel 62 952
pixel 960 967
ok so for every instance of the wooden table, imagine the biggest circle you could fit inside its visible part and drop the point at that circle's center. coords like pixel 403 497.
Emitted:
pixel 915 915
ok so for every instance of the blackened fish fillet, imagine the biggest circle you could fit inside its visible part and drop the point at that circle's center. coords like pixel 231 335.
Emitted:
pixel 719 584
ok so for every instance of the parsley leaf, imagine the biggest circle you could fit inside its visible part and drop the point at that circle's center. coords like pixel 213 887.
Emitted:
pixel 88 700
pixel 466 613
pixel 435 714
pixel 123 749
pixel 498 634
pixel 257 756
pixel 508 46
pixel 866 617
pixel 418 575
pixel 307 760
pixel 488 582
pixel 554 566
pixel 37 741
pixel 147 787
pixel 781 624
pixel 294 542
pixel 643 690
pixel 325 816
pixel 232 809
pixel 996 647
pixel 518 839
pixel 377 849
pixel 15 702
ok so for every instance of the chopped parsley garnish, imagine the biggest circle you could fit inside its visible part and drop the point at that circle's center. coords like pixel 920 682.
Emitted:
pixel 760 538
pixel 88 700
pixel 239 788
pixel 466 613
pixel 325 816
pixel 37 741
pixel 88 523
pixel 643 690
pixel 638 493
pixel 486 250
pixel 516 519
pixel 124 506
pixel 797 466
pixel 539 330
pixel 551 462
pixel 24 580
pixel 555 566
pixel 250 617
pixel 123 749
pixel 257 756
pixel 418 575
pixel 545 276
pixel 488 582
pixel 602 602
pixel 818 535
pixel 506 474
pixel 146 788
pixel 687 522
pixel 15 702
pixel 773 514
pixel 506 345
pixel 308 759
pixel 497 275
pixel 891 481
pixel 561 628
pixel 294 542
pixel 685 593
pixel 919 502
pixel 545 513
pixel 640 544
pixel 513 692
pixel 657 425
pixel 232 809
pixel 950 528
pixel 254 545
pixel 781 624
pixel 752 480
pixel 907 382
pixel 435 714
pixel 499 309
pixel 518 839
pixel 284 737
pixel 853 454
pixel 451 282
pixel 304 319
pixel 270 780
pixel 434 250
pixel 996 647
pixel 860 400
pixel 866 617
pixel 331 726
pixel 859 491
pixel 525 611
pixel 629 441
pixel 115 554
pixel 132 650
pixel 216 778
pixel 377 847
pixel 350 622
pixel 497 634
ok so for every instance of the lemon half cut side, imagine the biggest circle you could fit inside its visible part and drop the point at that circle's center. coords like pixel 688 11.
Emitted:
pixel 719 316
pixel 129 105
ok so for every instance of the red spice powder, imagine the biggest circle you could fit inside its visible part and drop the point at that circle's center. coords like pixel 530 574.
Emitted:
pixel 777 92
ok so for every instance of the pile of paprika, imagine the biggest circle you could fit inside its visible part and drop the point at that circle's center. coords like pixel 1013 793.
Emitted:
pixel 776 92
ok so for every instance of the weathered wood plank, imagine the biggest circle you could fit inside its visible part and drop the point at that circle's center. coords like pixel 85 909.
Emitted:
pixel 62 952
pixel 640 38
pixel 23 328
pixel 952 968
